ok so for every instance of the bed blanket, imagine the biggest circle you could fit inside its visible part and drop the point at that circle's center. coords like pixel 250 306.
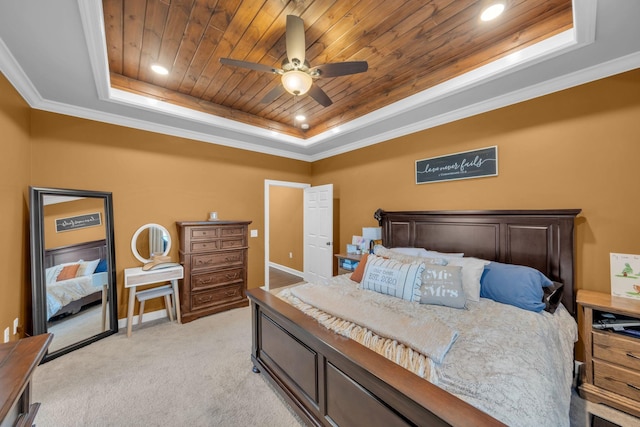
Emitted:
pixel 64 292
pixel 514 364
pixel 355 305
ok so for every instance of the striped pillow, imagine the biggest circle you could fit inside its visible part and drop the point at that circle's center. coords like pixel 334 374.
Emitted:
pixel 391 277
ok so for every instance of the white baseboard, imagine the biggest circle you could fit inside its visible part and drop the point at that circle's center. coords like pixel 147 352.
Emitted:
pixel 147 317
pixel 286 269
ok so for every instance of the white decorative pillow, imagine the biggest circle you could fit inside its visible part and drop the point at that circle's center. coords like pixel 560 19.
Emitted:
pixel 51 273
pixel 381 251
pixel 391 277
pixel 442 285
pixel 408 251
pixel 472 269
pixel 436 254
pixel 87 268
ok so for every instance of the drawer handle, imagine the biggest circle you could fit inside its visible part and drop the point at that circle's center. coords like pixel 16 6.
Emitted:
pixel 205 298
pixel 232 276
pixel 633 387
pixel 229 258
pixel 633 356
pixel 232 293
pixel 209 261
pixel 204 281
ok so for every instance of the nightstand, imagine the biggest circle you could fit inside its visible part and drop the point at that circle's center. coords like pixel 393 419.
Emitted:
pixel 611 374
pixel 347 262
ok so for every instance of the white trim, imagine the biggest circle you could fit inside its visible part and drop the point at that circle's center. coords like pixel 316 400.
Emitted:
pixel 267 184
pixel 286 269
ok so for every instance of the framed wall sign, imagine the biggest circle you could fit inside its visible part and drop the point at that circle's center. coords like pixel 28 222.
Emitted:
pixel 464 165
pixel 79 221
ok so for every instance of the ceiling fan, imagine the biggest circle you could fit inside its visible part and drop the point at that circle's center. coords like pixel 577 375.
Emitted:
pixel 296 73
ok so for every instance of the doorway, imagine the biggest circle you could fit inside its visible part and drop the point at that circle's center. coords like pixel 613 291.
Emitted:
pixel 310 230
pixel 283 211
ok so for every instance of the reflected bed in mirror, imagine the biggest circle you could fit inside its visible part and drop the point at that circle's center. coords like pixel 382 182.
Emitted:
pixel 72 267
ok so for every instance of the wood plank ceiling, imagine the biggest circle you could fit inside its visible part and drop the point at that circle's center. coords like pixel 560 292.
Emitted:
pixel 410 46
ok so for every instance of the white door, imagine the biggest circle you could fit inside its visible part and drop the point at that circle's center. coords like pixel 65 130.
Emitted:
pixel 318 233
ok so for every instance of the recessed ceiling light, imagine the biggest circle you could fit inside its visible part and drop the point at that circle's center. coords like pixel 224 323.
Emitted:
pixel 305 126
pixel 492 12
pixel 159 69
pixel 300 117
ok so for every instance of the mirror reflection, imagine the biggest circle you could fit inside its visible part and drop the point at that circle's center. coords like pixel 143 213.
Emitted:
pixel 148 240
pixel 72 266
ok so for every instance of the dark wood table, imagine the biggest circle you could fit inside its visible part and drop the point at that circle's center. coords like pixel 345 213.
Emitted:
pixel 18 361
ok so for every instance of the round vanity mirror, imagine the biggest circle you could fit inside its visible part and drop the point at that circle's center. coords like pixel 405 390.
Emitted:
pixel 149 240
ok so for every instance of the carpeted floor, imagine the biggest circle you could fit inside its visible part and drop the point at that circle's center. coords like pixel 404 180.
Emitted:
pixel 166 374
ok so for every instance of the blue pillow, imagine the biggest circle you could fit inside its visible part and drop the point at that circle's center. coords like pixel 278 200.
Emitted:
pixel 102 266
pixel 515 285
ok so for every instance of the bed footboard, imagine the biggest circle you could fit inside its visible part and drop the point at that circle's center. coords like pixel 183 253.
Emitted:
pixel 330 380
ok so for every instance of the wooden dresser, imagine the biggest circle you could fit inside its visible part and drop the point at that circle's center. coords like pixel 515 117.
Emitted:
pixel 214 256
pixel 612 360
pixel 18 361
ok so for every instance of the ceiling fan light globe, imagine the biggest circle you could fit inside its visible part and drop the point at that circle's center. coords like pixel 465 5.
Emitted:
pixel 296 82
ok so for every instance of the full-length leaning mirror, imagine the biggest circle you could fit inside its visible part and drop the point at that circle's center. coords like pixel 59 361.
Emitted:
pixel 72 267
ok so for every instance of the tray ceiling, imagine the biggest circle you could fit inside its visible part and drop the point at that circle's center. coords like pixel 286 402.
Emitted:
pixel 410 46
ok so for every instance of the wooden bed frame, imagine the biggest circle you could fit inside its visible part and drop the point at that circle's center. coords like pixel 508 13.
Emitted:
pixel 86 251
pixel 331 380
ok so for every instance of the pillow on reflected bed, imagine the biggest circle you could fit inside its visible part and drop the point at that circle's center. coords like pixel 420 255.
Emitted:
pixel 516 285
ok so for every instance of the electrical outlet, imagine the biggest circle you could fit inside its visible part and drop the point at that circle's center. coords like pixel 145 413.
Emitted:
pixel 254 233
pixel 6 334
pixel 15 326
pixel 290 254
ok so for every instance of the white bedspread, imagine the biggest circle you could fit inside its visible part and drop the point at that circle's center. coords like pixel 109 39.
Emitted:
pixel 513 364
pixel 64 292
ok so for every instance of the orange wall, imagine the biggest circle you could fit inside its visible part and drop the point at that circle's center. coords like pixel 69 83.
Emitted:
pixel 286 225
pixel 157 178
pixel 15 278
pixel 575 149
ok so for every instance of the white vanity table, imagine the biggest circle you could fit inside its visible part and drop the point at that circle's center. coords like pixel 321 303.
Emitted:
pixel 136 276
pixel 154 240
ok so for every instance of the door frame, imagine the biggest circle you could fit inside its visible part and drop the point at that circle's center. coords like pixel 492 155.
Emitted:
pixel 268 183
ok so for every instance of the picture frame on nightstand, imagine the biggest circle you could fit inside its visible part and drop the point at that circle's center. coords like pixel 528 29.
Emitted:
pixel 625 275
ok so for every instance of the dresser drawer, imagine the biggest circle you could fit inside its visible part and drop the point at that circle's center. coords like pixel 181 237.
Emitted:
pixel 196 246
pixel 205 232
pixel 617 349
pixel 217 260
pixel 616 379
pixel 217 278
pixel 218 296
pixel 204 246
pixel 232 231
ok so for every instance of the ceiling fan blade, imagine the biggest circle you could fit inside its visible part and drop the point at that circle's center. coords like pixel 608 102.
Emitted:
pixel 295 39
pixel 250 65
pixel 272 95
pixel 337 69
pixel 320 96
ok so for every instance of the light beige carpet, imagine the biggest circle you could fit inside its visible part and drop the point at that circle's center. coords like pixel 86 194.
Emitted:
pixel 166 374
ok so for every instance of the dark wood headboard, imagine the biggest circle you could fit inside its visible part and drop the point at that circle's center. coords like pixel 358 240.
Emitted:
pixel 87 251
pixel 542 239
